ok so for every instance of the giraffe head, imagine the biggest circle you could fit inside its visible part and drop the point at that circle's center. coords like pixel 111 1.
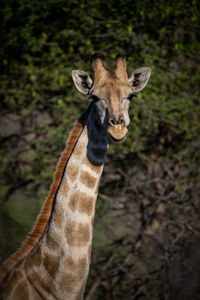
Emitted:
pixel 112 93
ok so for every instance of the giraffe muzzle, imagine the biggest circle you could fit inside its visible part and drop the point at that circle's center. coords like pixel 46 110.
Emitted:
pixel 117 133
pixel 117 128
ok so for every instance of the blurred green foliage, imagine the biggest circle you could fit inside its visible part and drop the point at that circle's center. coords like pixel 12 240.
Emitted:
pixel 42 41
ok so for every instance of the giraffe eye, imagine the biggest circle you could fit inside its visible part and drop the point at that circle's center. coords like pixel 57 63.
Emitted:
pixel 130 97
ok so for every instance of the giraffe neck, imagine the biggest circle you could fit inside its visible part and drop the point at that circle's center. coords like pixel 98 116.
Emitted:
pixel 57 267
pixel 71 224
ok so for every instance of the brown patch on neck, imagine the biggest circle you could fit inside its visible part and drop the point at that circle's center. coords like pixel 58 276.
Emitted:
pixel 78 234
pixel 88 180
pixel 43 286
pixel 45 213
pixel 74 280
pixel 51 264
pixel 21 292
pixel 53 241
pixel 82 202
pixel 35 259
pixel 77 267
pixel 68 283
pixel 72 171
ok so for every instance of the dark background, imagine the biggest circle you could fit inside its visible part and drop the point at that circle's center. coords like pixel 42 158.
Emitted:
pixel 147 228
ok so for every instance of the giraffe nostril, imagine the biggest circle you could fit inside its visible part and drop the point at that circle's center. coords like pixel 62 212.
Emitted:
pixel 116 121
pixel 121 121
pixel 112 122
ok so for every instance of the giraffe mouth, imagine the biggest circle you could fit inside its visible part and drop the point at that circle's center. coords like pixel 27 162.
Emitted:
pixel 117 135
pixel 121 140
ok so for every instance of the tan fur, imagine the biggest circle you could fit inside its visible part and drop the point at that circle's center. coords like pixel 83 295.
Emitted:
pixel 76 266
pixel 64 188
pixel 81 291
pixel 58 217
pixel 100 73
pixel 120 70
pixel 51 264
pixel 44 286
pixel 67 282
pixel 17 277
pixel 45 213
pixel 53 241
pixel 89 252
pixel 36 258
pixel 88 179
pixel 81 202
pixel 94 168
pixel 21 292
pixel 78 234
pixel 92 221
pixel 78 151
pixel 97 188
pixel 34 294
pixel 72 171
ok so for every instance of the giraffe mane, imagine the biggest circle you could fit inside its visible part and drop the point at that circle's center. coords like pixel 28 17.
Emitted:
pixel 45 212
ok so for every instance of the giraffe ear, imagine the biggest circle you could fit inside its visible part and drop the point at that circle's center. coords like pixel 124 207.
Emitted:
pixel 82 81
pixel 139 78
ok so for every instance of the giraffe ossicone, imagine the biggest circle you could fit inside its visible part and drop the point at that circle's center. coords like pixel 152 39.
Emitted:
pixel 54 260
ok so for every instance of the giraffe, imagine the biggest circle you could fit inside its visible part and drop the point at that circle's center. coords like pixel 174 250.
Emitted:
pixel 54 260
